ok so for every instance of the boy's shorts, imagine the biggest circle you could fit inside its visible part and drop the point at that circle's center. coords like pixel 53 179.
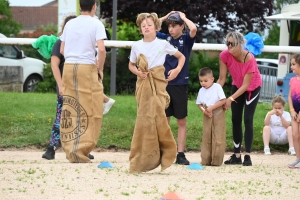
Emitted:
pixel 278 137
pixel 179 101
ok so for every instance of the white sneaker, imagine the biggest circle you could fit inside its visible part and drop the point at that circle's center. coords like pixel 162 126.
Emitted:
pixel 291 152
pixel 267 151
pixel 107 106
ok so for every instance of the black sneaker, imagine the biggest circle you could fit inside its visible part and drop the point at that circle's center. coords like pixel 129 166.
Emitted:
pixel 49 154
pixel 91 156
pixel 181 160
pixel 247 161
pixel 233 160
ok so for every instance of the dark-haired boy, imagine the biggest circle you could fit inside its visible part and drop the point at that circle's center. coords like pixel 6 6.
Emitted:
pixel 178 80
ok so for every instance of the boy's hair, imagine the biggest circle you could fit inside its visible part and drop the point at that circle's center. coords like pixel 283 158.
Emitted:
pixel 296 57
pixel 278 99
pixel 153 16
pixel 87 5
pixel 205 71
pixel 174 19
pixel 68 18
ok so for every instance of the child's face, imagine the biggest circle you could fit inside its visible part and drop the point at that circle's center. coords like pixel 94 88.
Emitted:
pixel 277 106
pixel 175 30
pixel 295 67
pixel 206 81
pixel 148 27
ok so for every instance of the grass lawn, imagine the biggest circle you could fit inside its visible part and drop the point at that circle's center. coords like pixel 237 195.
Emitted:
pixel 26 119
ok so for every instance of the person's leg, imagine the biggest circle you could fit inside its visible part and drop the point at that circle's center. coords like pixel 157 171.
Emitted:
pixel 250 106
pixel 289 134
pixel 107 104
pixel 236 119
pixel 55 133
pixel 266 139
pixel 296 139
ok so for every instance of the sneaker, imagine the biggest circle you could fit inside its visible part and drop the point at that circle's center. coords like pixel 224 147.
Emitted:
pixel 293 164
pixel 49 154
pixel 181 160
pixel 233 160
pixel 297 165
pixel 107 106
pixel 267 151
pixel 291 152
pixel 247 161
pixel 91 156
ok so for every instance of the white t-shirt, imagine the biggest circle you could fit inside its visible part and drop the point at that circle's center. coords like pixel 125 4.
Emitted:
pixel 154 51
pixel 211 95
pixel 276 123
pixel 80 36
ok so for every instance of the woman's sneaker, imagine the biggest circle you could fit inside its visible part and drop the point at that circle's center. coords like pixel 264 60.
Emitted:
pixel 233 160
pixel 247 161
pixel 291 151
pixel 293 164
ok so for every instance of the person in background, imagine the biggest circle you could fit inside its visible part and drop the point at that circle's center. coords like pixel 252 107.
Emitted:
pixel 178 79
pixel 277 129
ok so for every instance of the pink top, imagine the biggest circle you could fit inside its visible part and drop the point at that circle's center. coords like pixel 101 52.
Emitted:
pixel 295 93
pixel 239 70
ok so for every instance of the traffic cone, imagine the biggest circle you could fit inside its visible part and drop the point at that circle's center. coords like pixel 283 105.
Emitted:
pixel 171 196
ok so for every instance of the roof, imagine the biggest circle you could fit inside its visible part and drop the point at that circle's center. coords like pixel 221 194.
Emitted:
pixel 35 16
pixel 290 12
pixel 35 3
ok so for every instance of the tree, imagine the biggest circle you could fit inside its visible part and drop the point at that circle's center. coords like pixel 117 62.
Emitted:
pixel 7 25
pixel 242 15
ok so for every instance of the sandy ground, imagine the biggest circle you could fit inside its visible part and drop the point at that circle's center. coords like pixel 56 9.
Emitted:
pixel 25 175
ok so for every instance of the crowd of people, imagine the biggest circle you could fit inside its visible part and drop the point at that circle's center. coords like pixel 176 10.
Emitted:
pixel 160 62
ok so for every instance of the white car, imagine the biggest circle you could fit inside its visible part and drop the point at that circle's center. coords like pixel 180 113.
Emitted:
pixel 11 55
pixel 268 70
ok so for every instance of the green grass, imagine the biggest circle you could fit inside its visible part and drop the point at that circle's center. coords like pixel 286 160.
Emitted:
pixel 26 119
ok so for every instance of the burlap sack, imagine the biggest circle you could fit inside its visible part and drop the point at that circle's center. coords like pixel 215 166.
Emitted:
pixel 214 138
pixel 153 143
pixel 82 111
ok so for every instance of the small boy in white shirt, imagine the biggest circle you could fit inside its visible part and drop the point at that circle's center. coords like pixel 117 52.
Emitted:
pixel 210 99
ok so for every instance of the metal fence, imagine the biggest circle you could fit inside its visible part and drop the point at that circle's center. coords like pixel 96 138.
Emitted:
pixel 269 82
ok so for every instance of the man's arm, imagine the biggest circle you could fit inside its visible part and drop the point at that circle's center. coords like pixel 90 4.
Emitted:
pixel 101 56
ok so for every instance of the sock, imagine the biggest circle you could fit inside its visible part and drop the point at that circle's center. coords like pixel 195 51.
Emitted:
pixel 180 153
pixel 267 147
pixel 291 148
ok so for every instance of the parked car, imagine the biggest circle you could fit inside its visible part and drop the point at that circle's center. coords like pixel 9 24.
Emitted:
pixel 12 55
pixel 268 70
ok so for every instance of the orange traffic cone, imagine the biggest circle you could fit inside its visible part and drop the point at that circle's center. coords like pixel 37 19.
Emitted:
pixel 171 196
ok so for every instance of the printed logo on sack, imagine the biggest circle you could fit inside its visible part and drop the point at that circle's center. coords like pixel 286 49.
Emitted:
pixel 75 126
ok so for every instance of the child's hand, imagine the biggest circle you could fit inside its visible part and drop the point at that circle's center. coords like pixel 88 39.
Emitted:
pixel 208 109
pixel 278 112
pixel 272 112
pixel 143 75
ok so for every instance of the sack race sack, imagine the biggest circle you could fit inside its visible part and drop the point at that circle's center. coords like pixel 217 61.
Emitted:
pixel 82 111
pixel 153 143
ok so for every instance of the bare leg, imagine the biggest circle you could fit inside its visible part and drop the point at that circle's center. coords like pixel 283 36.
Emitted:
pixel 266 135
pixel 181 134
pixel 296 137
pixel 290 136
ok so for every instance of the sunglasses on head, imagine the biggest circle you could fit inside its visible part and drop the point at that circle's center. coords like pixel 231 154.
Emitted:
pixel 230 43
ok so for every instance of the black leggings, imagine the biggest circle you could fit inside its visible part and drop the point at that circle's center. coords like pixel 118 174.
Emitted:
pixel 249 101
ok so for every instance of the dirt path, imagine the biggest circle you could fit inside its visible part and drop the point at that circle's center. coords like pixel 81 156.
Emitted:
pixel 25 175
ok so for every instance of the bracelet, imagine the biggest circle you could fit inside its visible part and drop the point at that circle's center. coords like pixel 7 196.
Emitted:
pixel 232 99
pixel 291 110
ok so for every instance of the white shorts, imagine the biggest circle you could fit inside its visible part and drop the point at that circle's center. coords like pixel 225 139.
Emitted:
pixel 278 137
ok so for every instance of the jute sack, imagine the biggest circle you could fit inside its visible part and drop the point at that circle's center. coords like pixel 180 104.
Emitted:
pixel 82 111
pixel 153 143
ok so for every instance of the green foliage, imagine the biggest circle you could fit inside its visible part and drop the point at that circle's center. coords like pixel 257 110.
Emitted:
pixel 7 25
pixel 49 83
pixel 199 60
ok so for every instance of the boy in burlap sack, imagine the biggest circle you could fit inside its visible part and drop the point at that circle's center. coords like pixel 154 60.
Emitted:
pixel 82 110
pixel 210 99
pixel 153 143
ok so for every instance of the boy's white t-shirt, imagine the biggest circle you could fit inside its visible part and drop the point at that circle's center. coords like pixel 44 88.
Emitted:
pixel 80 36
pixel 154 51
pixel 276 123
pixel 211 95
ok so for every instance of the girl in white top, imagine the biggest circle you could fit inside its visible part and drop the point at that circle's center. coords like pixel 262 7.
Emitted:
pixel 277 129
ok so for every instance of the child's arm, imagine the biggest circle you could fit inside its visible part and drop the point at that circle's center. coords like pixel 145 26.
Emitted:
pixel 293 113
pixel 285 123
pixel 216 105
pixel 204 111
pixel 172 74
pixel 268 118
pixel 134 70
pixel 190 24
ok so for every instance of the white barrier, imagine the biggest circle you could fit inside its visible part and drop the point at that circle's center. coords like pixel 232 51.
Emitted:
pixel 196 47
